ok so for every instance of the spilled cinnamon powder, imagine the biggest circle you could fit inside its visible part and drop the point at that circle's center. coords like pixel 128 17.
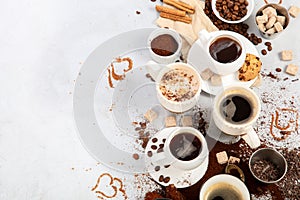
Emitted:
pixel 118 77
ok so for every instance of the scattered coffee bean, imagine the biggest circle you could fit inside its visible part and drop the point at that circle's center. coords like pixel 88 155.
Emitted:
pixel 264 52
pixel 154 147
pixel 137 12
pixel 143 125
pixel 167 166
pixel 154 140
pixel 157 168
pixel 149 154
pixel 164 140
pixel 278 69
pixel 160 150
pixel 161 178
pixel 135 156
pixel 167 179
pixel 268 43
pixel 270 48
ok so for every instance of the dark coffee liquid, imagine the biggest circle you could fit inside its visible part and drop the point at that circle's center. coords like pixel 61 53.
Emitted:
pixel 225 50
pixel 185 146
pixel 223 191
pixel 236 109
pixel 218 198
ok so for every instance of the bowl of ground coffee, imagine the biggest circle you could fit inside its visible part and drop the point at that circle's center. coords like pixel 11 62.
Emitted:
pixel 267 165
pixel 164 45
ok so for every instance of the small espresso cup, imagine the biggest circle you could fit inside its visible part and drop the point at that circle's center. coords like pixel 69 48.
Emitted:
pixel 185 148
pixel 224 49
pixel 224 186
pixel 178 85
pixel 164 44
pixel 235 110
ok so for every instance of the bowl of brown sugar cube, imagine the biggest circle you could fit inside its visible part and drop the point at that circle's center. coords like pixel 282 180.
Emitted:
pixel 232 11
pixel 271 20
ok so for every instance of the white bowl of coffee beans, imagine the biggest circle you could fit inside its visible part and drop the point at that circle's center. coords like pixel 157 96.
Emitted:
pixel 232 11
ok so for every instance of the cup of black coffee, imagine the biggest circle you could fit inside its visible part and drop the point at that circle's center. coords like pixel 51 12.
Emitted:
pixel 225 50
pixel 185 148
pixel 236 109
pixel 224 187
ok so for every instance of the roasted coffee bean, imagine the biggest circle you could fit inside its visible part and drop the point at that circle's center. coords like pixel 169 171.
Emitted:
pixel 236 8
pixel 270 48
pixel 264 52
pixel 240 28
pixel 268 43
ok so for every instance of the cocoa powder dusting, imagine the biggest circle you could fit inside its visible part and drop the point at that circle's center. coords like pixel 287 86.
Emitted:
pixel 164 45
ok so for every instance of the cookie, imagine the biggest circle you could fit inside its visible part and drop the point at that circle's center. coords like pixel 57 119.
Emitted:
pixel 250 68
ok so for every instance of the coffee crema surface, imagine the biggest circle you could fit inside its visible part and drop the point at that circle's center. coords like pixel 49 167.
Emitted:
pixel 179 85
pixel 223 191
pixel 185 146
pixel 225 50
pixel 236 109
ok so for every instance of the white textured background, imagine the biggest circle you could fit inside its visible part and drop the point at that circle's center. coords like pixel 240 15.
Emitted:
pixel 42 47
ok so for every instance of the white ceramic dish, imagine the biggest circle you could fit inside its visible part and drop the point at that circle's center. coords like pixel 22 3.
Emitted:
pixel 104 115
pixel 202 62
pixel 250 8
pixel 180 178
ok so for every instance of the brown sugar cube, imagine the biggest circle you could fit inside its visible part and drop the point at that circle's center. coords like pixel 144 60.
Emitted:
pixel 269 11
pixel 294 11
pixel 233 160
pixel 281 20
pixel 278 27
pixel 271 22
pixel 222 157
pixel 187 121
pixel 262 19
pixel 287 55
pixel 150 115
pixel 170 121
pixel 292 69
pixel 206 74
pixel 216 80
pixel 271 31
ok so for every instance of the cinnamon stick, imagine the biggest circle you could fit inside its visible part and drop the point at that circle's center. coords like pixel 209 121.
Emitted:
pixel 180 5
pixel 184 19
pixel 170 10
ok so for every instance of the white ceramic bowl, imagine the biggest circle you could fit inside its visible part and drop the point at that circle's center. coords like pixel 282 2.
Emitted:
pixel 250 8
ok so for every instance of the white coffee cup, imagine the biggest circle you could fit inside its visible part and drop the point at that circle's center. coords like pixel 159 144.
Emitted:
pixel 165 59
pixel 188 155
pixel 225 186
pixel 234 116
pixel 206 40
pixel 176 103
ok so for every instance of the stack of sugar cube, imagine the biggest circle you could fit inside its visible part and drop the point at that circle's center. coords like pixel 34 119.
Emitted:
pixel 270 22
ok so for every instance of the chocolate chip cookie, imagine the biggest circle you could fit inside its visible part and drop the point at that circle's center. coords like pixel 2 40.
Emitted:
pixel 250 68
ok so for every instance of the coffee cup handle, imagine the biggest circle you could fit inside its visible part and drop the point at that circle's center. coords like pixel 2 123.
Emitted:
pixel 204 37
pixel 153 69
pixel 251 138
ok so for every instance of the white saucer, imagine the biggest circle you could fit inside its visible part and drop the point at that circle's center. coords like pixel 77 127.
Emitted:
pixel 197 58
pixel 178 177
